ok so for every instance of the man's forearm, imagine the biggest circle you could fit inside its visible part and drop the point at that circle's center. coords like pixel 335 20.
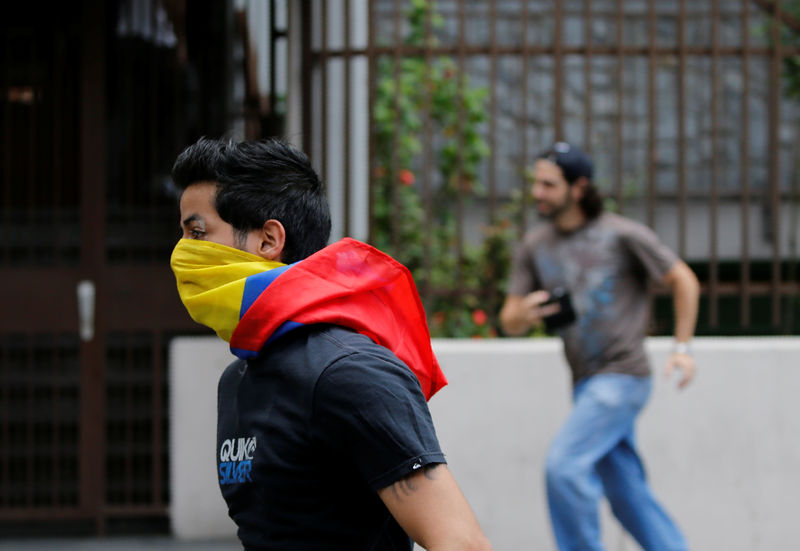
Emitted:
pixel 686 295
pixel 431 509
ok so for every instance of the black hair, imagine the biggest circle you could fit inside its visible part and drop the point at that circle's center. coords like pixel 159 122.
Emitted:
pixel 576 164
pixel 592 202
pixel 258 181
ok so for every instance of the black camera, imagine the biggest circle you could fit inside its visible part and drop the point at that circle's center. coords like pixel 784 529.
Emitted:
pixel 565 315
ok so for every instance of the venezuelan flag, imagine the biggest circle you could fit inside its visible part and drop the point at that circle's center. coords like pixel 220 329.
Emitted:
pixel 249 301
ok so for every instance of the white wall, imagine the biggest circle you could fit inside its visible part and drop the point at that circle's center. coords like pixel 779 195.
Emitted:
pixel 197 510
pixel 723 455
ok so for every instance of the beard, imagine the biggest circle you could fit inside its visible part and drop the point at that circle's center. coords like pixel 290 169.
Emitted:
pixel 553 210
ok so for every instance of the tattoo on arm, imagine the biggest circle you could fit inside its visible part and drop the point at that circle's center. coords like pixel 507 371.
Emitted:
pixel 406 486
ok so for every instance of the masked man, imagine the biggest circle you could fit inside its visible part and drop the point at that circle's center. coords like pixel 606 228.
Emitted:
pixel 324 438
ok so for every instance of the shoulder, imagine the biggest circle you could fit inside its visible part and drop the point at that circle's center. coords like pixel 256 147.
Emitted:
pixel 313 348
pixel 628 231
pixel 538 234
pixel 329 355
pixel 233 373
pixel 643 243
pixel 622 224
pixel 362 365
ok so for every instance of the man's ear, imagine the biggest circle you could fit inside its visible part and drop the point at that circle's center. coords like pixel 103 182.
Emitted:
pixel 578 187
pixel 272 240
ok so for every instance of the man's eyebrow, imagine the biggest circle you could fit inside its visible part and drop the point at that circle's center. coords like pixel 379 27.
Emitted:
pixel 192 218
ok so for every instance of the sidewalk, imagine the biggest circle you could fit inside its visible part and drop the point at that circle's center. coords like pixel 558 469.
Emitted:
pixel 111 543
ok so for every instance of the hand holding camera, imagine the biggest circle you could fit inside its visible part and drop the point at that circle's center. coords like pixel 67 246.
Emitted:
pixel 554 309
pixel 563 315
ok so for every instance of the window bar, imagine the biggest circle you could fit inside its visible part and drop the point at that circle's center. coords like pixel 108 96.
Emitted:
pixel 492 296
pixel 157 417
pixel 713 274
pixel 558 73
pixel 6 149
pixel 274 34
pixel 587 75
pixel 460 159
pixel 620 131
pixel 492 111
pixel 307 13
pixel 744 310
pixel 4 426
pixel 371 60
pixel 682 131
pixel 524 196
pixel 346 134
pixel 57 370
pixel 324 57
pixel 125 88
pixel 651 114
pixel 774 172
pixel 154 144
pixel 620 108
pixel 127 379
pixel 30 420
pixel 428 167
pixel 59 88
pixel 33 174
pixel 394 162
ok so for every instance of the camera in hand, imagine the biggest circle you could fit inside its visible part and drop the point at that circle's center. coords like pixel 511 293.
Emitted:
pixel 565 315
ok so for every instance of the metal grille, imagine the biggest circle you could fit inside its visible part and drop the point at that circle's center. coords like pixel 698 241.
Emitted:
pixel 680 104
pixel 136 433
pixel 38 144
pixel 39 396
pixel 148 106
pixel 93 110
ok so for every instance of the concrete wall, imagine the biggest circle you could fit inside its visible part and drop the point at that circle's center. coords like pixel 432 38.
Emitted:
pixel 723 455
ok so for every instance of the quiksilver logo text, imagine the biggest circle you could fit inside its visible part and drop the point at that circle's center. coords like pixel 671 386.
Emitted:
pixel 236 460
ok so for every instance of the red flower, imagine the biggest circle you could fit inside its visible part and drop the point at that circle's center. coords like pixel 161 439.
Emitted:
pixel 406 177
pixel 479 317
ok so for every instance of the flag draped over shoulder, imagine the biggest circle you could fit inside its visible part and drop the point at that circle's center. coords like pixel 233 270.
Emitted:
pixel 348 283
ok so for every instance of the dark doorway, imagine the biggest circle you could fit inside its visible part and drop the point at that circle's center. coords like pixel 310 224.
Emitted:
pixel 96 99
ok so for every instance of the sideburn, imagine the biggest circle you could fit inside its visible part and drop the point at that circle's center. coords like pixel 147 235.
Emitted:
pixel 240 238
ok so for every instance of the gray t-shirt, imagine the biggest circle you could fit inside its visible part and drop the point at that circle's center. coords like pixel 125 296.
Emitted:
pixel 606 265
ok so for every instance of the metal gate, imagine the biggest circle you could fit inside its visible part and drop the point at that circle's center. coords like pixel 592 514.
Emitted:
pixel 94 109
pixel 681 104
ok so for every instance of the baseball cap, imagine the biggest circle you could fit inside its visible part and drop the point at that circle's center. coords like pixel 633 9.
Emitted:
pixel 572 161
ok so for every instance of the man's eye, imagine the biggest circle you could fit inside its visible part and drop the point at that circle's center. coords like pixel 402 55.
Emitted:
pixel 197 234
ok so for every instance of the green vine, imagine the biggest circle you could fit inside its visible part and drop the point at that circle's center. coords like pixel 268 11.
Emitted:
pixel 426 102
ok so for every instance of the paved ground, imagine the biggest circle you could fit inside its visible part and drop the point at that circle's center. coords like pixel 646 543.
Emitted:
pixel 128 543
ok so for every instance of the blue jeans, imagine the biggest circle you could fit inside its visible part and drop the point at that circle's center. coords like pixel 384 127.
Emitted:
pixel 594 454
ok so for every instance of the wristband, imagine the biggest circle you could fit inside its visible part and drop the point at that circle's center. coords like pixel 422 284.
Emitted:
pixel 682 348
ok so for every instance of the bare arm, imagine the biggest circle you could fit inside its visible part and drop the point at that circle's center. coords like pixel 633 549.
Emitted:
pixel 686 293
pixel 520 313
pixel 430 507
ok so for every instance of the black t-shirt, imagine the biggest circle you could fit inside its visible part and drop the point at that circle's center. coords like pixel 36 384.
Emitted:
pixel 309 431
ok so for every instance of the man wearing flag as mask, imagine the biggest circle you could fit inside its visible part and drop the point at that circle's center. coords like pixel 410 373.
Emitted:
pixel 324 438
